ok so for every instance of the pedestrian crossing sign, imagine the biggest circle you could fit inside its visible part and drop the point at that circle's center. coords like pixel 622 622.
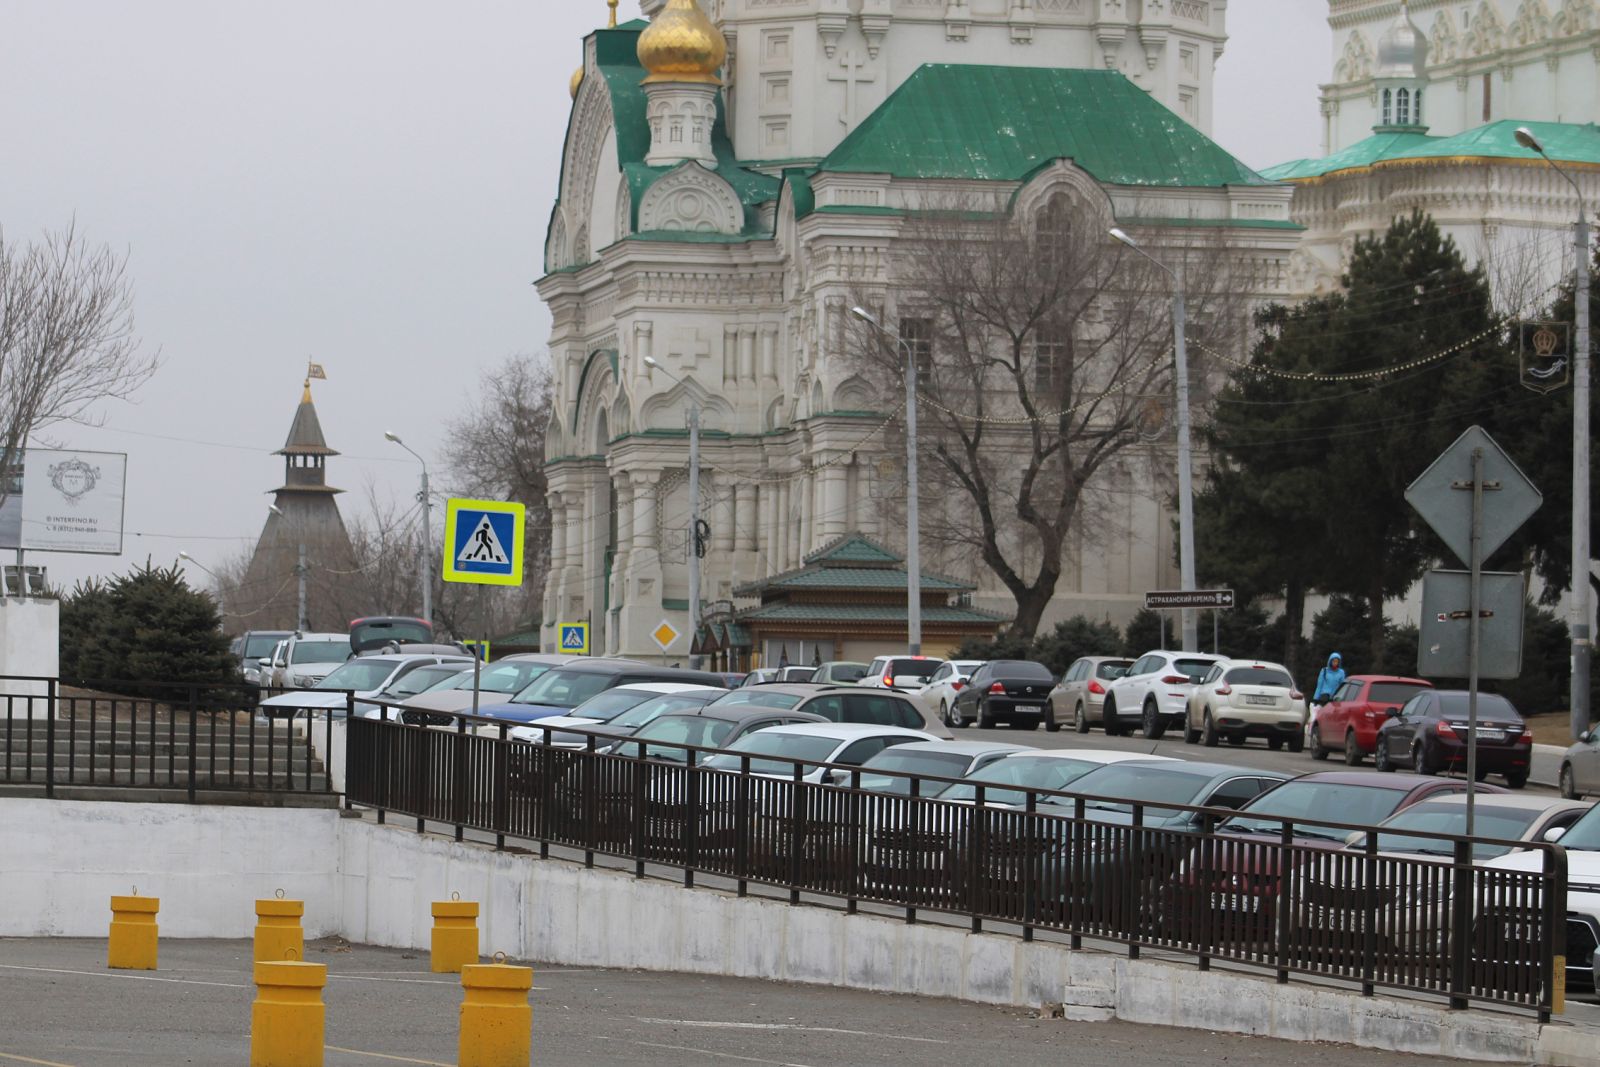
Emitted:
pixel 574 638
pixel 483 542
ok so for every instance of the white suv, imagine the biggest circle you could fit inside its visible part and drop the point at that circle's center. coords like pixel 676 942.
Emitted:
pixel 901 672
pixel 1582 842
pixel 309 658
pixel 1155 692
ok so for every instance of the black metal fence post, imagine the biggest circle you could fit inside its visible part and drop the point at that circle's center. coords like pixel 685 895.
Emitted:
pixel 49 738
pixel 194 736
pixel 1460 923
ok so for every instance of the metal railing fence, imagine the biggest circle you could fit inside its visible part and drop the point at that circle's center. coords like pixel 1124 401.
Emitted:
pixel 1443 926
pixel 189 737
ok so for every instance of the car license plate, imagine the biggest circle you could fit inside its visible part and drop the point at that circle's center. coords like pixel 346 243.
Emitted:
pixel 1254 698
pixel 1029 707
pixel 1491 735
pixel 1235 902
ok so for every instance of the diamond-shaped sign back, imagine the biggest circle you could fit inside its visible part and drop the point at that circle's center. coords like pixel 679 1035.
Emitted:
pixel 1442 495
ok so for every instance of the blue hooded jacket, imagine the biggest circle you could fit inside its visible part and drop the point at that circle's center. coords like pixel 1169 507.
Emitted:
pixel 1329 679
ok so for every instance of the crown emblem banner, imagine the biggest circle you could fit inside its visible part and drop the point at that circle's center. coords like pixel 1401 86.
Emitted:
pixel 1546 353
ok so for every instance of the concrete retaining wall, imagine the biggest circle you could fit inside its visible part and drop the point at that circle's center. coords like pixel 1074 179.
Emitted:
pixel 60 862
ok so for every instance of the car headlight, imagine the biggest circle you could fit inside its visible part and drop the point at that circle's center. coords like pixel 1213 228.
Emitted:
pixel 306 680
pixel 252 675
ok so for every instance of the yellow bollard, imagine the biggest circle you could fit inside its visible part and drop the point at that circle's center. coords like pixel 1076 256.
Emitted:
pixel 286 1020
pixel 132 945
pixel 278 933
pixel 496 1019
pixel 455 935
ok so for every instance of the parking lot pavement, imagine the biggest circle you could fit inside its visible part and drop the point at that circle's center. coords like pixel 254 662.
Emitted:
pixel 62 1008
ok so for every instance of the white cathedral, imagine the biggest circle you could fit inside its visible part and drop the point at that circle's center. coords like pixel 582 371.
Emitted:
pixel 735 169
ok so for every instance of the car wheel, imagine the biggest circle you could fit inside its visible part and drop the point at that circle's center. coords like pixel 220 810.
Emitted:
pixel 1050 724
pixel 1352 749
pixel 1108 718
pixel 1275 743
pixel 1380 757
pixel 1296 742
pixel 1080 721
pixel 1317 749
pixel 1191 736
pixel 1153 726
pixel 984 721
pixel 1419 758
pixel 1208 733
pixel 1517 779
pixel 1569 788
pixel 953 716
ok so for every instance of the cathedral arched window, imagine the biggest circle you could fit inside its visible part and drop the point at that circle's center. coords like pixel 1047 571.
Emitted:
pixel 1388 107
pixel 1402 107
pixel 1416 107
pixel 1055 226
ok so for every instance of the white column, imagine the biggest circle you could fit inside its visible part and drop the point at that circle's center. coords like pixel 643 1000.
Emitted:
pixel 833 514
pixel 747 355
pixel 644 512
pixel 722 519
pixel 769 353
pixel 749 525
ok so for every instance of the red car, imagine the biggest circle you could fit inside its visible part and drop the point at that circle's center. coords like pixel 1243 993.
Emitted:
pixel 1351 720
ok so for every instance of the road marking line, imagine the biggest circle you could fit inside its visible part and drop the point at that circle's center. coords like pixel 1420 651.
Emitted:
pixel 712 1025
pixel 719 1055
pixel 134 977
pixel 14 1058
pixel 382 1056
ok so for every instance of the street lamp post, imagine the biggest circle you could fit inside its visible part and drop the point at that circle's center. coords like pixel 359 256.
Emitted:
pixel 1578 612
pixel 300 574
pixel 425 572
pixel 913 538
pixel 1191 636
pixel 190 559
pixel 694 511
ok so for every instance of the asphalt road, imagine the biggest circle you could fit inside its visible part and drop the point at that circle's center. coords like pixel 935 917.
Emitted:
pixel 64 1009
pixel 1253 754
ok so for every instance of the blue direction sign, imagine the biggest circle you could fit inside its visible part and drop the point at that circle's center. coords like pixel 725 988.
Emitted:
pixel 483 542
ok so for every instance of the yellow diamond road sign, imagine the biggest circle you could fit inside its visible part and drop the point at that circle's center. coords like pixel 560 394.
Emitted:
pixel 664 635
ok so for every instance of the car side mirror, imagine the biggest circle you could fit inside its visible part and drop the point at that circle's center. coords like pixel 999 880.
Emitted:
pixel 1555 833
pixel 1355 839
pixel 1587 737
pixel 1391 713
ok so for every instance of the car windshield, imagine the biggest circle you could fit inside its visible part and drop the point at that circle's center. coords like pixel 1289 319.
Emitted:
pixel 1110 671
pixel 421 680
pixel 701 731
pixel 361 675
pixel 1196 669
pixel 1393 692
pixel 1133 781
pixel 608 705
pixel 920 669
pixel 508 676
pixel 651 710
pixel 847 672
pixel 1333 801
pixel 1021 668
pixel 1508 824
pixel 1585 833
pixel 450 680
pixel 1490 706
pixel 1258 676
pixel 790 747
pixel 260 646
pixel 759 698
pixel 1032 772
pixel 320 651
pixel 564 688
pixel 367 634
pixel 874 774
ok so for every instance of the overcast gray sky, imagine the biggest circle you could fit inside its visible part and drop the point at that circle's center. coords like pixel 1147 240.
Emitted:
pixel 364 183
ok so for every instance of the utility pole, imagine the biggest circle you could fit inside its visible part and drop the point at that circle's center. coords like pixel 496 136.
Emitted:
pixel 300 577
pixel 1578 610
pixel 425 565
pixel 694 509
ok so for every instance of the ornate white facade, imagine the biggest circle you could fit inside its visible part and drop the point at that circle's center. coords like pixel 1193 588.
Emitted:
pixel 733 272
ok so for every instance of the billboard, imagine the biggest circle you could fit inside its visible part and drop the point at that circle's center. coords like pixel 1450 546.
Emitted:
pixel 65 500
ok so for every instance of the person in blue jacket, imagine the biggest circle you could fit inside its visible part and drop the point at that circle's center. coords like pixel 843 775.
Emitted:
pixel 1329 679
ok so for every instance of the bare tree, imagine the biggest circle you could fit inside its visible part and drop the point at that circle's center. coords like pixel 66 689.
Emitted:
pixel 1044 355
pixel 66 336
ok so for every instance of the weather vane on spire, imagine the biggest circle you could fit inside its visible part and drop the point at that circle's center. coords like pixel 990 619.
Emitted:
pixel 313 370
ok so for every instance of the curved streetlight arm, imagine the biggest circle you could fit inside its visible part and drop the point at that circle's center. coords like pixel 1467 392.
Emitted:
pixel 1525 137
pixel 190 559
pixel 1118 234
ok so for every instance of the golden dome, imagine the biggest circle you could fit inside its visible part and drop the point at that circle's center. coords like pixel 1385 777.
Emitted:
pixel 682 45
pixel 577 80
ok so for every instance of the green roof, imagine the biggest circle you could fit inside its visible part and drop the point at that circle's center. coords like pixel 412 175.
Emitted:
pixel 1566 142
pixel 853 548
pixel 889 613
pixel 1003 123
pixel 857 578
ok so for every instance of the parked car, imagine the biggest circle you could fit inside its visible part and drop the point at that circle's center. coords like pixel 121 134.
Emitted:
pixel 496 681
pixel 760 676
pixel 1359 707
pixel 422 680
pixel 1582 906
pixel 1580 766
pixel 309 658
pixel 769 694
pixel 374 632
pixel 851 704
pixel 1013 691
pixel 943 685
pixel 838 672
pixel 368 676
pixel 599 709
pixel 1032 769
pixel 254 647
pixel 1506 817
pixel 893 769
pixel 1239 699
pixel 777 751
pixel 795 674
pixel 733 679
pixel 271 668
pixel 1154 693
pixel 560 689
pixel 900 672
pixel 1429 734
pixel 648 711
pixel 1079 698
pixel 706 727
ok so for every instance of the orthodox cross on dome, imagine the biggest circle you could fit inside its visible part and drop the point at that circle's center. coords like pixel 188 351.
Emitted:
pixel 852 76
